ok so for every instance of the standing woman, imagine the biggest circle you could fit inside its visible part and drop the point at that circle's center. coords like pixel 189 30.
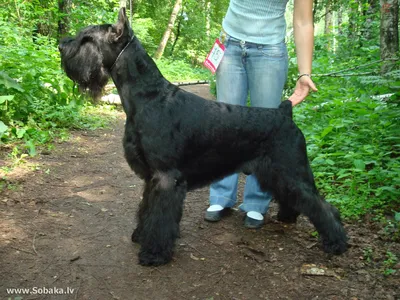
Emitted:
pixel 256 62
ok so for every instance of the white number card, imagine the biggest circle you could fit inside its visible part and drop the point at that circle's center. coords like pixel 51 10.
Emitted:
pixel 215 56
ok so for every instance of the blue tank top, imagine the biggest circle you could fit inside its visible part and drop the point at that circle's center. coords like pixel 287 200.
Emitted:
pixel 256 21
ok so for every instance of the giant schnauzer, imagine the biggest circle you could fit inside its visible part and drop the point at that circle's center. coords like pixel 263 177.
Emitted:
pixel 177 141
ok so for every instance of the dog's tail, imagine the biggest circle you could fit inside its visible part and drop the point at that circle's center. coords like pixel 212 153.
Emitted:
pixel 286 108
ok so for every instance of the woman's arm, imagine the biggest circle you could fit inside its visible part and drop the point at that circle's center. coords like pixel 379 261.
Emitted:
pixel 304 40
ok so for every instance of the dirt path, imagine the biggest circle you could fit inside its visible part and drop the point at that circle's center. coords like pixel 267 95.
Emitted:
pixel 66 221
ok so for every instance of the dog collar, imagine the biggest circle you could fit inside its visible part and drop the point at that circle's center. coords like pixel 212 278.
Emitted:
pixel 122 51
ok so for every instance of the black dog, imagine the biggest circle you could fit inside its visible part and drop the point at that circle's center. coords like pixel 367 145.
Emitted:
pixel 177 141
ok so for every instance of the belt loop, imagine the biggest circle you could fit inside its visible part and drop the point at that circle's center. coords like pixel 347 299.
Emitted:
pixel 222 37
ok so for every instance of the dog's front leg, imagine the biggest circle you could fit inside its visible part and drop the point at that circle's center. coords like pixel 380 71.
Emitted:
pixel 159 217
pixel 142 213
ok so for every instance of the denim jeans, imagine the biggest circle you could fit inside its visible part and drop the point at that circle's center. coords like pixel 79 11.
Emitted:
pixel 261 71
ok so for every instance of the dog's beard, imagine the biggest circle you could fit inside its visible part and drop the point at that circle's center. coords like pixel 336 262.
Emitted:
pixel 94 88
pixel 91 79
pixel 84 65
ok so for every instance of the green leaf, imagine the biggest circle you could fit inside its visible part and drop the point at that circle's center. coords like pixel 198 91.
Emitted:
pixel 20 132
pixel 330 162
pixel 6 98
pixel 31 148
pixel 326 131
pixel 3 128
pixel 359 164
pixel 8 82
pixel 388 189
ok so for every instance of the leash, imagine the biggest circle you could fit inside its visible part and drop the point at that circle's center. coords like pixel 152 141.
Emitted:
pixel 122 51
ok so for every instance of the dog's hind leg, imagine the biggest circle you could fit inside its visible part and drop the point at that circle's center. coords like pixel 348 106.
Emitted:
pixel 262 169
pixel 324 217
pixel 298 194
pixel 301 195
pixel 162 211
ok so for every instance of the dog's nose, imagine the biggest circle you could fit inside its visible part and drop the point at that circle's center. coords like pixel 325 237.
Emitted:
pixel 63 42
pixel 61 46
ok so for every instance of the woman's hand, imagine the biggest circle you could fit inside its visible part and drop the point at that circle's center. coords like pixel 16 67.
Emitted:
pixel 302 89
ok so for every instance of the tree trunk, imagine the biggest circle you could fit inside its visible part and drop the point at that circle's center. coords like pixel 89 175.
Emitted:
pixel 131 9
pixel 64 7
pixel 389 33
pixel 178 33
pixel 208 19
pixel 167 33
pixel 370 13
pixel 340 21
pixel 328 19
pixel 353 17
pixel 314 12
pixel 328 24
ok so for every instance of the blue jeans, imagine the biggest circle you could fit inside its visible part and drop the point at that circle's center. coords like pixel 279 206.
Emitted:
pixel 260 70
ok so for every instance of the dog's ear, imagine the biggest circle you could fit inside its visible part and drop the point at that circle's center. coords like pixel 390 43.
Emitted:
pixel 122 19
pixel 122 26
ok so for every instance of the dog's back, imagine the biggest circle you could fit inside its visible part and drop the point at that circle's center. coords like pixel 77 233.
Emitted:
pixel 286 108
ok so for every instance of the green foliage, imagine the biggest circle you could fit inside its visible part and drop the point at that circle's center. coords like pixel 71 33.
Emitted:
pixel 368 254
pixel 194 32
pixel 386 261
pixel 36 98
pixel 391 226
pixel 389 264
pixel 84 13
pixel 354 150
pixel 180 71
pixel 143 28
pixel 353 137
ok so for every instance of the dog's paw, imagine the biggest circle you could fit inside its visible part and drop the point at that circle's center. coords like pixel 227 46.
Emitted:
pixel 136 236
pixel 336 247
pixel 289 219
pixel 154 259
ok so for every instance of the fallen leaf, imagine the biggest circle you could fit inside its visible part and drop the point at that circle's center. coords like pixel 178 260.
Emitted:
pixel 314 270
pixel 194 257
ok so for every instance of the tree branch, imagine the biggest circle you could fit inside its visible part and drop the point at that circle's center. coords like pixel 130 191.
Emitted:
pixel 337 73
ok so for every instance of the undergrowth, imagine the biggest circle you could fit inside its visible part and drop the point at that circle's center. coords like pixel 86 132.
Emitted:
pixel 353 138
pixel 180 71
pixel 353 142
pixel 37 101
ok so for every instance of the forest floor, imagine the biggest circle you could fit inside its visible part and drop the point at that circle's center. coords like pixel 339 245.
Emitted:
pixel 66 217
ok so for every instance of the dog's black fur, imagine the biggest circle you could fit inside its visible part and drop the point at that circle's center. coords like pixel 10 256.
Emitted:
pixel 177 141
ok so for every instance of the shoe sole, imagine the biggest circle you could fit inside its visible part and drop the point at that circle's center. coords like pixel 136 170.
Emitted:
pixel 215 216
pixel 252 223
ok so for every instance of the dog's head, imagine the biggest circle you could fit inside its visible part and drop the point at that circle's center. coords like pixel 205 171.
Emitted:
pixel 88 58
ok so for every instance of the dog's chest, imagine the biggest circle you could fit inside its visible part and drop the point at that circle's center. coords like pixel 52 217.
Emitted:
pixel 134 154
